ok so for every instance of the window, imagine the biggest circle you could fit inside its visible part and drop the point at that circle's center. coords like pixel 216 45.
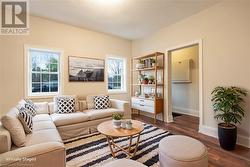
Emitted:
pixel 116 75
pixel 43 72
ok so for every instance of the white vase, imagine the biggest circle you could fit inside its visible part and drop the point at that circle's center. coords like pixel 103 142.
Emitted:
pixel 123 124
pixel 116 123
pixel 129 126
pixel 138 66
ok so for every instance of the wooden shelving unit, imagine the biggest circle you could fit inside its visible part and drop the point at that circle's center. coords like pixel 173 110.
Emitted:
pixel 147 84
pixel 153 65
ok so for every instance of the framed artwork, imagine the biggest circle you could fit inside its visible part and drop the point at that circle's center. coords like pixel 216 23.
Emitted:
pixel 84 69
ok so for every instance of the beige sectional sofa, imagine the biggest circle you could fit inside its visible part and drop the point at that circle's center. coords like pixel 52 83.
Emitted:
pixel 44 146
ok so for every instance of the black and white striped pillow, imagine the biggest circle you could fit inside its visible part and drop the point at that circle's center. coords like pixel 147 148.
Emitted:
pixel 31 107
pixel 26 119
pixel 101 102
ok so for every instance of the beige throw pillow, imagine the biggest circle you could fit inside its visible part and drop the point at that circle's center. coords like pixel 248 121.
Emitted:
pixel 11 122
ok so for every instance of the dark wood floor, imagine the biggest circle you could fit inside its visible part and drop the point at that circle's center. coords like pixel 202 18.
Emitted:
pixel 188 125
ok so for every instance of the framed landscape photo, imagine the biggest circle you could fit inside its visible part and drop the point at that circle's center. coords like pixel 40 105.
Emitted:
pixel 84 69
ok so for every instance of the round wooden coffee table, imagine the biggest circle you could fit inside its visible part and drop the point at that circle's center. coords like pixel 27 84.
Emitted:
pixel 107 129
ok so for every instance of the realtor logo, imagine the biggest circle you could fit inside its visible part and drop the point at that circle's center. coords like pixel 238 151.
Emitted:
pixel 14 17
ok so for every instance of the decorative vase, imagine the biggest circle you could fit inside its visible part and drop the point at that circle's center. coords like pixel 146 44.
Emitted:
pixel 227 136
pixel 129 125
pixel 123 124
pixel 116 123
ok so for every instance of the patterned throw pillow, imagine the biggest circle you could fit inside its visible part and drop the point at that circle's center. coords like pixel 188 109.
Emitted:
pixel 65 105
pixel 101 102
pixel 26 119
pixel 30 106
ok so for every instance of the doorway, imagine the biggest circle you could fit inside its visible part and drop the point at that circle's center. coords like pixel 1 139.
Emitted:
pixel 185 81
pixel 184 89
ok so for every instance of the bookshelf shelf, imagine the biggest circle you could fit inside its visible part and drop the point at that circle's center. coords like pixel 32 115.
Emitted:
pixel 148 69
pixel 148 74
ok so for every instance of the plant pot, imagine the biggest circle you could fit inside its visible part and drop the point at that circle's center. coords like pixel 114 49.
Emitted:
pixel 227 136
pixel 117 123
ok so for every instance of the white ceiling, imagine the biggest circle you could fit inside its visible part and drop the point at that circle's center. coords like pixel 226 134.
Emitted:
pixel 130 19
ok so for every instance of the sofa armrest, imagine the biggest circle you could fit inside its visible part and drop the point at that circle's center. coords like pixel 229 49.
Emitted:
pixel 44 154
pixel 5 140
pixel 122 105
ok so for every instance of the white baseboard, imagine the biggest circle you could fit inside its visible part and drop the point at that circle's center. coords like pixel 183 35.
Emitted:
pixel 210 131
pixel 186 111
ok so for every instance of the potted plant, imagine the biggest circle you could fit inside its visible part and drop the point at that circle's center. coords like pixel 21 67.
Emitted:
pixel 152 62
pixel 117 118
pixel 140 64
pixel 145 80
pixel 141 78
pixel 227 104
pixel 151 79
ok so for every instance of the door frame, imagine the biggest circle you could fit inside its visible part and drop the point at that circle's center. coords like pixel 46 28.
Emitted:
pixel 168 90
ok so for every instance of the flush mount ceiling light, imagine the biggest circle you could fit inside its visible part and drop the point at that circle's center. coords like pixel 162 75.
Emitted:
pixel 108 2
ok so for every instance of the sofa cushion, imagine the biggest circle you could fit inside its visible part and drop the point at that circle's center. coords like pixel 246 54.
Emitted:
pixel 42 107
pixel 26 119
pixel 43 136
pixel 5 140
pixel 103 113
pixel 43 125
pixel 51 107
pixel 41 117
pixel 68 119
pixel 11 122
pixel 82 105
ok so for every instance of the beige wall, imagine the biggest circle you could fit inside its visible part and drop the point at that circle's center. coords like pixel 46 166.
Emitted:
pixel 185 96
pixel 72 40
pixel 225 31
pixel 1 79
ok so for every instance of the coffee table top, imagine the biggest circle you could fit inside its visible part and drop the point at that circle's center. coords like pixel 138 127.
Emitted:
pixel 107 129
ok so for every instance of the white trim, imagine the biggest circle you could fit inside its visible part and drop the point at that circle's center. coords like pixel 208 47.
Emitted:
pixel 27 72
pixel 185 111
pixel 125 83
pixel 112 92
pixel 168 113
pixel 210 131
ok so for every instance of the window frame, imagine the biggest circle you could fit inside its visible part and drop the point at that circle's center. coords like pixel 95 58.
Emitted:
pixel 28 72
pixel 123 78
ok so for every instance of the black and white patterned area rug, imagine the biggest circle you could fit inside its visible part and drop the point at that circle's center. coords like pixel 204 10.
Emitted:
pixel 93 149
